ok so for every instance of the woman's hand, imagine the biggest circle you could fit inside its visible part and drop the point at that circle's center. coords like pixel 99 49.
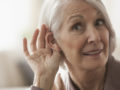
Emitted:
pixel 44 61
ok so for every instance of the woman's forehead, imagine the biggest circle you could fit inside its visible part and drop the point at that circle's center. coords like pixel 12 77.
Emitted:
pixel 79 7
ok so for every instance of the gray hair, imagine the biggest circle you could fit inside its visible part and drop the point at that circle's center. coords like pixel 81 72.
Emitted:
pixel 51 15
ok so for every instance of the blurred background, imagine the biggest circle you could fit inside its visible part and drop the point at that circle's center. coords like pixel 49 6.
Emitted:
pixel 19 19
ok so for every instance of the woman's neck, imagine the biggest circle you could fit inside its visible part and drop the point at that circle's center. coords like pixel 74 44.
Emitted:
pixel 88 80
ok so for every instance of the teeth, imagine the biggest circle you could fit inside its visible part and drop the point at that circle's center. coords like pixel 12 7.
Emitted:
pixel 92 53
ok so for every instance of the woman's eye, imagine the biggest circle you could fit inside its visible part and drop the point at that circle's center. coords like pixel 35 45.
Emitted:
pixel 77 27
pixel 99 22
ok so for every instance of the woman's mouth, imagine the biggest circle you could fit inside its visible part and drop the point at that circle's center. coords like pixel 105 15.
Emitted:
pixel 93 52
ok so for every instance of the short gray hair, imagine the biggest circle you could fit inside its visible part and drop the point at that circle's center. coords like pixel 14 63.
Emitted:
pixel 51 15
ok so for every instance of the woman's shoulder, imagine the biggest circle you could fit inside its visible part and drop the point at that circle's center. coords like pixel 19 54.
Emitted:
pixel 112 80
pixel 113 64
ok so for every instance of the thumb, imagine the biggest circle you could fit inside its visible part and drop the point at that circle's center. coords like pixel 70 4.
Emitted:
pixel 56 57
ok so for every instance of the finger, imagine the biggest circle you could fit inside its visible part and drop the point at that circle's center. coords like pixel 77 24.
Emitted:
pixel 41 39
pixel 47 44
pixel 25 48
pixel 33 41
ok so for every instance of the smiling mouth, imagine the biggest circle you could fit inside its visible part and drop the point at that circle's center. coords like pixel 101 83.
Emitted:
pixel 93 52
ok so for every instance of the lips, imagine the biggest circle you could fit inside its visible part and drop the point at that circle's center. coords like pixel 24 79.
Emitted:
pixel 93 52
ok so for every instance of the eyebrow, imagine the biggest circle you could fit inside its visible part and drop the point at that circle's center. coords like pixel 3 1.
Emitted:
pixel 80 16
pixel 75 16
pixel 98 13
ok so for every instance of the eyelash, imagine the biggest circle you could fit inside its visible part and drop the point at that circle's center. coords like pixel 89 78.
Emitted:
pixel 81 28
pixel 97 22
pixel 75 25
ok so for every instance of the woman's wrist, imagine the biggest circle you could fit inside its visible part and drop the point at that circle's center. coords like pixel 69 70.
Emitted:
pixel 44 81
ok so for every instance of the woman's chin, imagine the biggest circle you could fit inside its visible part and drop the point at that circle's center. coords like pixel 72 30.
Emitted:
pixel 94 62
pixel 93 65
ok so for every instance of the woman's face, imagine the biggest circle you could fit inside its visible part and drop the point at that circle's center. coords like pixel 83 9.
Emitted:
pixel 84 37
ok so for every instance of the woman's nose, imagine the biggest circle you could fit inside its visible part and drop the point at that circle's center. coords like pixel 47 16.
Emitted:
pixel 93 35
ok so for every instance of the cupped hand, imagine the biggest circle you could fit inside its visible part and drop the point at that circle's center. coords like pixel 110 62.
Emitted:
pixel 43 60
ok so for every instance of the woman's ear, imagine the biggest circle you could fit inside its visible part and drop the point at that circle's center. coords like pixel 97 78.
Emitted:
pixel 51 42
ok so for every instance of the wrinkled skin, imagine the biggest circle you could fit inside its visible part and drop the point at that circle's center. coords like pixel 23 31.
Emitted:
pixel 83 40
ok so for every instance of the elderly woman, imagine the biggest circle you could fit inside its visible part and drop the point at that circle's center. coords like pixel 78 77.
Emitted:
pixel 78 35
